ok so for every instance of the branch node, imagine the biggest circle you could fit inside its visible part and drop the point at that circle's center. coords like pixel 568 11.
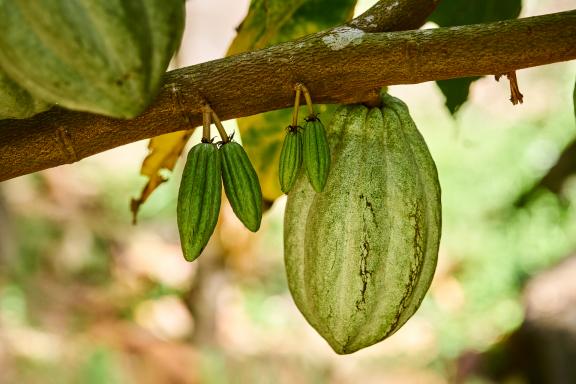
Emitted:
pixel 67 145
pixel 178 104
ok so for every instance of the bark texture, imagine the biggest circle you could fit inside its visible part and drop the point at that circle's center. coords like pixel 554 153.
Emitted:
pixel 346 64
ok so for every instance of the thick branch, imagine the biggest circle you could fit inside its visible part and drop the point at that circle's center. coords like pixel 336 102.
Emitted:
pixel 343 65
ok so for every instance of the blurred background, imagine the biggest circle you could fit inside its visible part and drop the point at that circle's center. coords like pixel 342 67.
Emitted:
pixel 86 297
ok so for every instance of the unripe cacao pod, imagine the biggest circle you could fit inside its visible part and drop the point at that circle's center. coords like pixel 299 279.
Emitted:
pixel 16 102
pixel 199 198
pixel 316 153
pixel 290 158
pixel 361 255
pixel 105 57
pixel 241 185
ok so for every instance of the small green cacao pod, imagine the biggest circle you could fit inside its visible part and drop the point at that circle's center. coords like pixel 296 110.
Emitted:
pixel 290 158
pixel 16 102
pixel 316 153
pixel 361 255
pixel 106 57
pixel 199 198
pixel 241 185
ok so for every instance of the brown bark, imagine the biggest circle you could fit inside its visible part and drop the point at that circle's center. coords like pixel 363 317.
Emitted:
pixel 338 66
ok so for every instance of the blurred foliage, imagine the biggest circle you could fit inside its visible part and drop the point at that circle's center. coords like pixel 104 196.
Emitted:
pixel 164 151
pixel 451 13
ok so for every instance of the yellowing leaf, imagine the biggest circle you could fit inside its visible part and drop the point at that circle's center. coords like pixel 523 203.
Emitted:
pixel 164 151
pixel 262 24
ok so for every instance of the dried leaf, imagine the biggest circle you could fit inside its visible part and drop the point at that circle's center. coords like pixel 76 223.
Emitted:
pixel 164 151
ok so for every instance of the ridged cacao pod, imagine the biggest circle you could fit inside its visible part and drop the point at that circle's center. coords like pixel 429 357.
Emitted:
pixel 16 102
pixel 290 158
pixel 316 153
pixel 361 255
pixel 199 198
pixel 241 185
pixel 105 57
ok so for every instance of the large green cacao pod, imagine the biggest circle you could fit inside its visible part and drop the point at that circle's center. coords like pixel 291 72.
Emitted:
pixel 199 198
pixel 105 57
pixel 290 158
pixel 316 153
pixel 241 185
pixel 361 255
pixel 16 102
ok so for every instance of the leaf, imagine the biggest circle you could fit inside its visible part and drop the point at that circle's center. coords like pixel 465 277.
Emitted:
pixel 456 91
pixel 270 22
pixel 456 12
pixel 262 23
pixel 450 13
pixel 164 151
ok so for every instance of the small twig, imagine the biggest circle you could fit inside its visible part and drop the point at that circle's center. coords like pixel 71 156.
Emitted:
pixel 515 95
pixel 206 121
pixel 296 105
pixel 220 127
pixel 308 99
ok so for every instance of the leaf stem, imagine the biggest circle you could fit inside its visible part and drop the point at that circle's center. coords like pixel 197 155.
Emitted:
pixel 296 105
pixel 308 100
pixel 206 121
pixel 220 127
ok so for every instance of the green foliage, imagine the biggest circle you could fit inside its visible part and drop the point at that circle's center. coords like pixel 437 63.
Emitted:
pixel 455 12
pixel 101 368
pixel 456 91
pixel 451 13
pixel 271 22
pixel 102 57
pixel 574 98
pixel 16 102
pixel 492 247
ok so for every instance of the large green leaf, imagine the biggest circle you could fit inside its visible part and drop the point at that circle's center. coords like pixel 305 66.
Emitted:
pixel 574 99
pixel 270 22
pixel 457 12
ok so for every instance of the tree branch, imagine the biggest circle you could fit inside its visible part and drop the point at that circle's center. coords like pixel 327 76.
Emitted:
pixel 342 65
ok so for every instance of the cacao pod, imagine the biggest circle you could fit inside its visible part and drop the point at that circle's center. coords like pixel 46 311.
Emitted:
pixel 316 153
pixel 361 255
pixel 241 185
pixel 199 198
pixel 290 158
pixel 16 102
pixel 105 57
